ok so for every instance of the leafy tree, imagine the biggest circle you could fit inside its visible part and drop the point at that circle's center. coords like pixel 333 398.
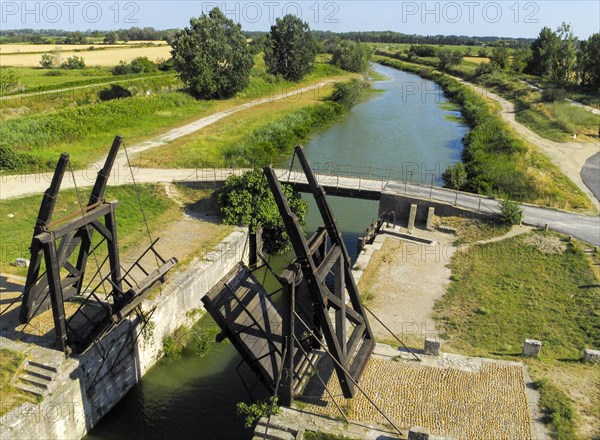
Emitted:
pixel 212 56
pixel 111 38
pixel 484 68
pixel 589 62
pixel 543 52
pixel 290 48
pixel 565 60
pixel 73 63
pixel 520 59
pixel 247 200
pixel 422 50
pixel 455 176
pixel 500 57
pixel 449 58
pixel 351 56
pixel 482 53
pixel 511 212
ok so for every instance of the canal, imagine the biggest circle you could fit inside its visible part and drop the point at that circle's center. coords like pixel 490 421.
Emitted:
pixel 402 127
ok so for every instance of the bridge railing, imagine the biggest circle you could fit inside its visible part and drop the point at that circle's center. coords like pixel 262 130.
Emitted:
pixel 362 179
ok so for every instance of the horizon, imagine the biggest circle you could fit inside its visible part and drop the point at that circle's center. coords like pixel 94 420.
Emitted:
pixel 501 19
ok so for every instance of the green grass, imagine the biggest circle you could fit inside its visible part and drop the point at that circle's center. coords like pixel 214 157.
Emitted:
pixel 504 292
pixel 16 232
pixel 10 361
pixel 508 291
pixel 33 142
pixel 558 410
pixel 32 78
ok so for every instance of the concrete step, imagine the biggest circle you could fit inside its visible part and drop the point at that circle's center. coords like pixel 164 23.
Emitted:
pixel 273 434
pixel 47 367
pixel 36 391
pixel 42 373
pixel 275 431
pixel 35 381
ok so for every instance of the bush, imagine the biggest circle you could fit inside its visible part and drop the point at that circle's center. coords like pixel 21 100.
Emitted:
pixel 347 93
pixel 114 92
pixel 73 63
pixel 511 212
pixel 9 81
pixel 553 95
pixel 484 69
pixel 9 160
pixel 257 410
pixel 137 65
pixel 351 56
pixel 51 60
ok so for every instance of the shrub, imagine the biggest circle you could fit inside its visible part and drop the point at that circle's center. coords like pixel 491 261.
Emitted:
pixel 114 92
pixel 137 65
pixel 257 410
pixel 511 212
pixel 73 63
pixel 484 69
pixel 8 81
pixel 553 95
pixel 347 93
pixel 51 60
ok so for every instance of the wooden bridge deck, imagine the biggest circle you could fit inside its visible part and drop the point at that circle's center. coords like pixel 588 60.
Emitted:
pixel 251 321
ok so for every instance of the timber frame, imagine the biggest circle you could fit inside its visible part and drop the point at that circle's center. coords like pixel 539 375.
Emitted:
pixel 55 243
pixel 348 335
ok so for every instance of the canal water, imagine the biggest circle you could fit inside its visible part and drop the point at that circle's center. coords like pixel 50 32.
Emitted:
pixel 403 130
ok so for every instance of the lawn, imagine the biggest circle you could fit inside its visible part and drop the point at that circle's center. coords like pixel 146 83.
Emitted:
pixel 85 131
pixel 538 286
pixel 16 230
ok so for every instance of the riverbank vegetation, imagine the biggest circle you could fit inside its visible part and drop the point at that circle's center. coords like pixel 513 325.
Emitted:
pixel 540 286
pixel 189 341
pixel 497 161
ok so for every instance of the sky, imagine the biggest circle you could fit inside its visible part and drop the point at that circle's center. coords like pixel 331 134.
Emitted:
pixel 470 17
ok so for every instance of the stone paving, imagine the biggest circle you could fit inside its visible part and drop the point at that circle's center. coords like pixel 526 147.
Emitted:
pixel 452 396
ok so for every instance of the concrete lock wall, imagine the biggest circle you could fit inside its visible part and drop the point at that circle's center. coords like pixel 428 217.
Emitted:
pixel 86 388
pixel 400 204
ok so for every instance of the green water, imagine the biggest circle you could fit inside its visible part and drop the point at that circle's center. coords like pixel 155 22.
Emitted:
pixel 402 132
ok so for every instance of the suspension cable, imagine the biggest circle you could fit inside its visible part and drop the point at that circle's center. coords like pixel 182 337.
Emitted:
pixel 139 199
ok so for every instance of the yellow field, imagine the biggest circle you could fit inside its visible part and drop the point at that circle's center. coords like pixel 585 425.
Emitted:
pixel 108 57
pixel 478 60
pixel 41 48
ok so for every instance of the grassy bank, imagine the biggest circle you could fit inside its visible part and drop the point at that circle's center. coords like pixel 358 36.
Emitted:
pixel 498 162
pixel 32 143
pixel 16 231
pixel 538 286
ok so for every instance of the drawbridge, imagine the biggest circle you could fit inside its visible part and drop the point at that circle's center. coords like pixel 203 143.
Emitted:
pixel 277 340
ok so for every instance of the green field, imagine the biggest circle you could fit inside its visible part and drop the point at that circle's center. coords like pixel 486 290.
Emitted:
pixel 538 286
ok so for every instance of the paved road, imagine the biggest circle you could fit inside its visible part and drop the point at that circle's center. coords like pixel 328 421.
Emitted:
pixel 584 227
pixel 590 174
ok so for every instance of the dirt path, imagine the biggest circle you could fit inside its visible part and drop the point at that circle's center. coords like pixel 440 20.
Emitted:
pixel 408 279
pixel 570 157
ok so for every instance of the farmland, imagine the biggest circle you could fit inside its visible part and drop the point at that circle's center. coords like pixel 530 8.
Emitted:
pixel 97 56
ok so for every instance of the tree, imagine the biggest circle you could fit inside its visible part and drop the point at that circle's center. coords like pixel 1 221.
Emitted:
pixel 290 48
pixel 449 58
pixel 589 62
pixel 520 59
pixel 247 200
pixel 212 56
pixel 351 56
pixel 543 52
pixel 500 57
pixel 111 38
pixel 565 60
